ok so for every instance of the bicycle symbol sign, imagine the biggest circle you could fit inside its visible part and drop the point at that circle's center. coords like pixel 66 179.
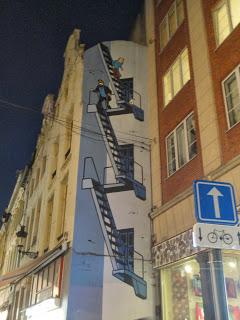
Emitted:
pixel 214 235
pixel 207 235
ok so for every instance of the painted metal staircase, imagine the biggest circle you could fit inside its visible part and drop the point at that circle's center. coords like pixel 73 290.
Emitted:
pixel 122 258
pixel 121 156
pixel 125 259
pixel 124 106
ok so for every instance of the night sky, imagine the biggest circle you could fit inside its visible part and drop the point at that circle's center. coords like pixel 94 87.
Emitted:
pixel 33 36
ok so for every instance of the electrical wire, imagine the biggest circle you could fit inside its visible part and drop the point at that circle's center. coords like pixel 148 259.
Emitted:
pixel 57 119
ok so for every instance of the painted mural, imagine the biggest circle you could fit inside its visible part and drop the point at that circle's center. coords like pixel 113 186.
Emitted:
pixel 119 244
pixel 111 263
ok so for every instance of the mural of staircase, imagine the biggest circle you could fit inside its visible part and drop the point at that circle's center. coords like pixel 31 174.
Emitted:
pixel 123 165
pixel 118 90
pixel 120 258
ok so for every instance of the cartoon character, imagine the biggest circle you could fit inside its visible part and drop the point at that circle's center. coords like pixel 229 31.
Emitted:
pixel 117 64
pixel 103 92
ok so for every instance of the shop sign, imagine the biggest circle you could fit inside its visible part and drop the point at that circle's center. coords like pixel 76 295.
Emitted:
pixel 215 236
pixel 215 202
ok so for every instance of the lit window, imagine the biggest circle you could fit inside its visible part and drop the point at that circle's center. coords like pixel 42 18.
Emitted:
pixel 171 22
pixel 167 88
pixel 226 18
pixel 176 77
pixel 231 87
pixel 171 154
pixel 181 144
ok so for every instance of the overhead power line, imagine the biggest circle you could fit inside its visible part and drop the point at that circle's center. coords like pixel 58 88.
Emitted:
pixel 84 130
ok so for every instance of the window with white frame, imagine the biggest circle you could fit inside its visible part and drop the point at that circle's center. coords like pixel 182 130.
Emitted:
pixel 231 88
pixel 176 77
pixel 171 22
pixel 226 17
pixel 181 144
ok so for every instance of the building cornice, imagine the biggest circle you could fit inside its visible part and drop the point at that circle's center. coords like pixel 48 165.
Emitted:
pixel 215 174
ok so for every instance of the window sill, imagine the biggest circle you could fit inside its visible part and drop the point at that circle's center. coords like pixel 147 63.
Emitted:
pixel 230 128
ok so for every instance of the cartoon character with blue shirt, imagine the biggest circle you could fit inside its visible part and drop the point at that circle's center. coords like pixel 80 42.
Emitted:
pixel 117 65
pixel 103 92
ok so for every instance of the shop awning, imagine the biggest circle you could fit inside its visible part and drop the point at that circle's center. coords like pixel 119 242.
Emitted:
pixel 34 266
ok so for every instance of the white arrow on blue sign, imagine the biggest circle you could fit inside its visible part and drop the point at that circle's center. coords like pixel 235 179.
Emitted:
pixel 215 202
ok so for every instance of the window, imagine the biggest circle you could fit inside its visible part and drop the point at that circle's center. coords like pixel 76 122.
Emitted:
pixel 181 145
pixel 231 268
pixel 68 137
pixel 36 223
pixel 32 187
pixel 127 88
pixel 55 158
pixel 231 88
pixel 37 177
pixel 48 224
pixel 181 290
pixel 44 161
pixel 127 237
pixel 30 229
pixel 62 208
pixel 226 18
pixel 171 22
pixel 176 77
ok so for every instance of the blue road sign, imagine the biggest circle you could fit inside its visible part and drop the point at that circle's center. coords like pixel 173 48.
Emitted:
pixel 215 202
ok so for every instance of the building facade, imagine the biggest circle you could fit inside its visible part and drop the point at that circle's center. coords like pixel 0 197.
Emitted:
pixel 79 246
pixel 197 66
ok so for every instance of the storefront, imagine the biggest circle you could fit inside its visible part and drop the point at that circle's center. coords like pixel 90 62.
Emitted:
pixel 196 284
pixel 34 291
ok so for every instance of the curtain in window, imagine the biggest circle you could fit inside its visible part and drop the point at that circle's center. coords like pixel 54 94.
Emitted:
pixel 181 146
pixel 191 137
pixel 171 154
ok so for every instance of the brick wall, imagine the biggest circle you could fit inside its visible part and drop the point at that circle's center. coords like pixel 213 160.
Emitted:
pixel 177 109
pixel 223 59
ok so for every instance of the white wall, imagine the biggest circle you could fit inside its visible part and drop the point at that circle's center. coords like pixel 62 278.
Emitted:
pixel 94 293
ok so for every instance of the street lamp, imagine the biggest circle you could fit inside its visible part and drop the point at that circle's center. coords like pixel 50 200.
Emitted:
pixel 22 233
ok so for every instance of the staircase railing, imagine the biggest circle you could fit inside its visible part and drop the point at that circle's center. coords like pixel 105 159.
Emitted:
pixel 94 166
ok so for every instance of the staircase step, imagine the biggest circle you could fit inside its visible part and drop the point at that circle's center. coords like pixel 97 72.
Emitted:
pixel 107 216
pixel 108 224
pixel 104 207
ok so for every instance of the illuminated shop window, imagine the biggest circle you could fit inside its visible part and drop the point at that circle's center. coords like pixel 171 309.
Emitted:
pixel 182 291
pixel 231 90
pixel 226 18
pixel 171 22
pixel 231 266
pixel 181 144
pixel 176 77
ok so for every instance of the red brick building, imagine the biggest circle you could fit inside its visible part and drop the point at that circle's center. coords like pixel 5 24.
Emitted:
pixel 197 54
